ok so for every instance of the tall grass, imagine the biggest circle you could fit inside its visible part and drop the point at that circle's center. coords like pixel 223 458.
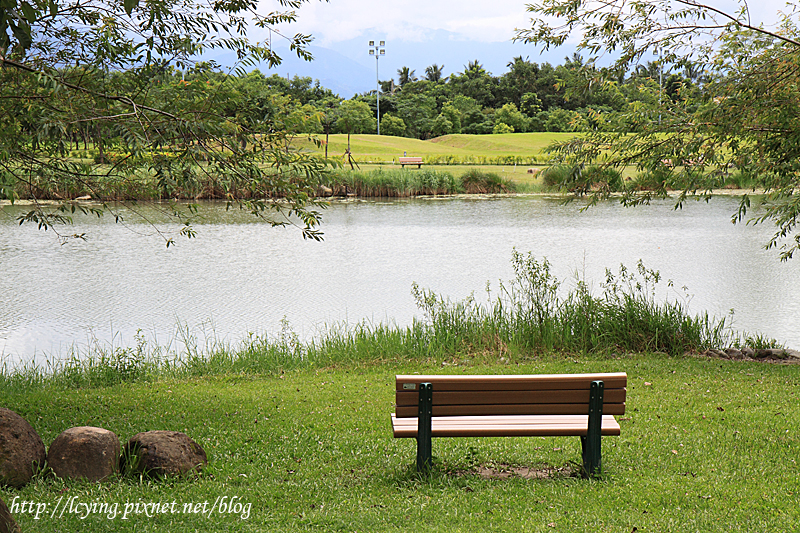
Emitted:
pixel 530 315
pixel 407 183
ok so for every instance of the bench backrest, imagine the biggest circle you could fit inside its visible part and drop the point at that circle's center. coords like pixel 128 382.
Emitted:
pixel 543 394
pixel 410 159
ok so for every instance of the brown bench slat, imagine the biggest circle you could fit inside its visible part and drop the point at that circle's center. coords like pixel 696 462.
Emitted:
pixel 508 397
pixel 518 409
pixel 521 426
pixel 615 380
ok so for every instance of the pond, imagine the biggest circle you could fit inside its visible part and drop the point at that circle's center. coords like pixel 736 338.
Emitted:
pixel 239 276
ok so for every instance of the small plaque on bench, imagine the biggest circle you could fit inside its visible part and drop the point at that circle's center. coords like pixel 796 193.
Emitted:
pixel 409 386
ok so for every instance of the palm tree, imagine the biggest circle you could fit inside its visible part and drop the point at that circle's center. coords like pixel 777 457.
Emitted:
pixel 434 72
pixel 575 63
pixel 693 71
pixel 405 75
pixel 651 70
pixel 473 69
pixel 388 87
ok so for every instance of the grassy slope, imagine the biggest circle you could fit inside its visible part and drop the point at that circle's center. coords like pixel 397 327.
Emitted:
pixel 706 445
pixel 387 148
pixel 507 143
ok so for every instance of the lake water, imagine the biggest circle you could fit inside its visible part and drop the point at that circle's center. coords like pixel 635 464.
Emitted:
pixel 239 276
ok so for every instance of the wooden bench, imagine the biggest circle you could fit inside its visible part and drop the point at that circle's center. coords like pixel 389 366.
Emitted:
pixel 554 405
pixel 410 161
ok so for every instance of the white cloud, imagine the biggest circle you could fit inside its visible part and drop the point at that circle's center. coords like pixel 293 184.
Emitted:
pixel 449 32
pixel 341 20
pixel 477 20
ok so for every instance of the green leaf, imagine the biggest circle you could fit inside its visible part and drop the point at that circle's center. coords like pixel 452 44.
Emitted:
pixel 130 5
pixel 23 33
pixel 29 12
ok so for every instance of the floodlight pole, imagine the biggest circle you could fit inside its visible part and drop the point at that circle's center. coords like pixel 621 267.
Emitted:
pixel 377 50
pixel 660 82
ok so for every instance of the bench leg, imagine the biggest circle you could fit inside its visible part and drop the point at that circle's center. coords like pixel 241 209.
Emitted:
pixel 590 444
pixel 424 452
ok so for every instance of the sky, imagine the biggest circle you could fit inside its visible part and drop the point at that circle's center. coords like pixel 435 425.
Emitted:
pixel 419 33
pixel 411 20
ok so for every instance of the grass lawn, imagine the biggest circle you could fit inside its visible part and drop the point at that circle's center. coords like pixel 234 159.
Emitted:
pixel 471 151
pixel 706 445
pixel 505 143
pixel 385 148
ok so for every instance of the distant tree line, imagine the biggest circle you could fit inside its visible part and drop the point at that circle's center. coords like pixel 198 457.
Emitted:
pixel 530 97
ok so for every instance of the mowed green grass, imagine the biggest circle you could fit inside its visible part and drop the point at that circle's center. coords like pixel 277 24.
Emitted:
pixel 706 445
pixel 385 148
pixel 505 143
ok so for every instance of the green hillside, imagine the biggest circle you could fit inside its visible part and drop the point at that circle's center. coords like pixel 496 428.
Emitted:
pixel 385 148
pixel 507 143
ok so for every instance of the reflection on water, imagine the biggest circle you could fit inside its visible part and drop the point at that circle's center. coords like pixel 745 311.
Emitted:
pixel 239 276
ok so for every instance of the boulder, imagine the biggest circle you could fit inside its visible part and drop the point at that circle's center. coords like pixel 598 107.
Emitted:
pixel 733 353
pixel 21 449
pixel 163 453
pixel 85 452
pixel 7 522
pixel 772 354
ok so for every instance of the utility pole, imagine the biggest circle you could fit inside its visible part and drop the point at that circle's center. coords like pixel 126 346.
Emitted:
pixel 660 82
pixel 377 51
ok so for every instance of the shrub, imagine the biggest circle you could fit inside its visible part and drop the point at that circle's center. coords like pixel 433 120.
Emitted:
pixel 476 181
pixel 600 176
pixel 502 128
pixel 653 179
pixel 558 119
pixel 557 175
pixel 392 125
pixel 581 178
pixel 479 128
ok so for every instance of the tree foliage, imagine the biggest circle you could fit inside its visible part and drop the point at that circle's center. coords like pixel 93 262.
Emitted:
pixel 104 72
pixel 744 120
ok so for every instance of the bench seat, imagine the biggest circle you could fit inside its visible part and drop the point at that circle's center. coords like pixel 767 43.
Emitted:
pixel 505 426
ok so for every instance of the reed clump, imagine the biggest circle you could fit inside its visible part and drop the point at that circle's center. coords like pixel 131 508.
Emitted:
pixel 399 183
pixel 532 314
